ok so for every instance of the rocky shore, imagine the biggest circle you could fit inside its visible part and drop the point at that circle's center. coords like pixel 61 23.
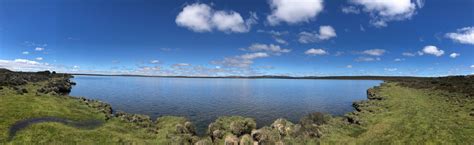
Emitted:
pixel 229 130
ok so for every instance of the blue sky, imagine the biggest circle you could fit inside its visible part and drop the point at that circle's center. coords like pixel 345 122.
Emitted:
pixel 245 37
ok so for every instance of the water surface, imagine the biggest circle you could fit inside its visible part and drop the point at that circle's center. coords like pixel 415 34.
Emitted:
pixel 202 100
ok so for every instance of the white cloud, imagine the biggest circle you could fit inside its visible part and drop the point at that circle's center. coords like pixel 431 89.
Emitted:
pixel 472 66
pixel 350 10
pixel 433 50
pixel 25 52
pixel 314 52
pixel 180 65
pixel 280 40
pixel 292 12
pixel 454 55
pixel 398 59
pixel 39 58
pixel 349 66
pixel 270 48
pixel 24 65
pixel 241 61
pixel 39 48
pixel 390 69
pixel 408 54
pixel 154 61
pixel 202 18
pixel 464 35
pixel 325 33
pixel 383 11
pixel 367 59
pixel 374 52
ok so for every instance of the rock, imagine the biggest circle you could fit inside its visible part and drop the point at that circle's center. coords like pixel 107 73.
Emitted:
pixel 265 135
pixel 246 139
pixel 317 118
pixel 310 124
pixel 231 140
pixel 236 125
pixel 137 119
pixel 190 127
pixel 372 94
pixel 205 141
pixel 285 127
pixel 240 127
pixel 217 134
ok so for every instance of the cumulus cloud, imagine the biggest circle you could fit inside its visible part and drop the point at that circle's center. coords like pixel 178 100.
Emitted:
pixel 314 52
pixel 374 52
pixel 464 35
pixel 200 17
pixel 39 58
pixel 325 33
pixel 433 50
pixel 24 65
pixel 454 55
pixel 25 52
pixel 292 12
pixel 269 48
pixel 39 48
pixel 383 11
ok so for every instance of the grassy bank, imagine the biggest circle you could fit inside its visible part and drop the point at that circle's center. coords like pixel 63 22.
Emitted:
pixel 406 111
pixel 408 116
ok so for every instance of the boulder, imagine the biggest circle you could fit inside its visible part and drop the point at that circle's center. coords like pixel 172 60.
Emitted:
pixel 285 127
pixel 231 140
pixel 246 139
pixel 266 135
pixel 236 125
pixel 205 141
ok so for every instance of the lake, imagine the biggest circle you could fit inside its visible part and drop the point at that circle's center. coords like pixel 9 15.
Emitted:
pixel 202 100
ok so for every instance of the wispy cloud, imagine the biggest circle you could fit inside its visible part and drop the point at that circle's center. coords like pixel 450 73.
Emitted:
pixel 324 33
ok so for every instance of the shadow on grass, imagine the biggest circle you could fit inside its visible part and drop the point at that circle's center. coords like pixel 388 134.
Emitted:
pixel 89 124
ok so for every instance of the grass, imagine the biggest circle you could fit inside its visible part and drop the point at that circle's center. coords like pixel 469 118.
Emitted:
pixel 18 107
pixel 408 116
pixel 403 116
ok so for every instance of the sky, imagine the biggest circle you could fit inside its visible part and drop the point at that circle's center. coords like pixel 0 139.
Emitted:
pixel 244 38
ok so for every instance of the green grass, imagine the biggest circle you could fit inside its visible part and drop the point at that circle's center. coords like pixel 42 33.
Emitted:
pixel 404 116
pixel 408 116
pixel 19 107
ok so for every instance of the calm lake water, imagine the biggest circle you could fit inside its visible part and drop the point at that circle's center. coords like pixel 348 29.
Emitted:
pixel 203 100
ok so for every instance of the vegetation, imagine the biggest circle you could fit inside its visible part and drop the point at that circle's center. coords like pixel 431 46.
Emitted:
pixel 401 110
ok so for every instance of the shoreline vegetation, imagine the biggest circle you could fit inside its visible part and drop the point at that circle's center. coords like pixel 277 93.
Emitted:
pixel 402 110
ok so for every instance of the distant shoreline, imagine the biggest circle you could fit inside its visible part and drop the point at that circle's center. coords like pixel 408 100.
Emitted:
pixel 273 77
